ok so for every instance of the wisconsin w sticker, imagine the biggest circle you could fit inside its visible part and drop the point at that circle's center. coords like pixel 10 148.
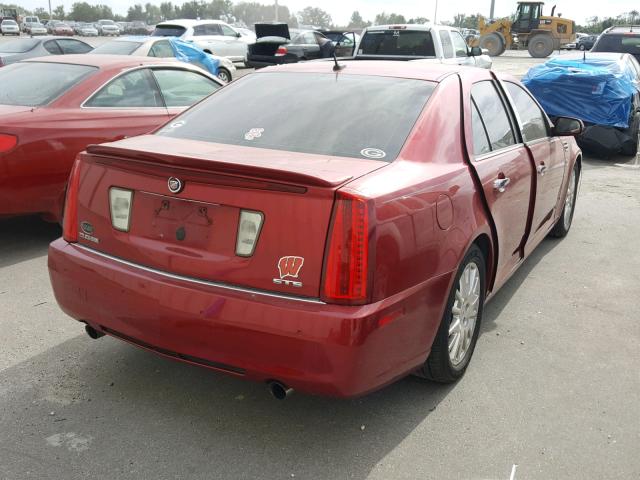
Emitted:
pixel 289 267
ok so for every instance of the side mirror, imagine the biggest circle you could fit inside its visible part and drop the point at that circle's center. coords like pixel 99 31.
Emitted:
pixel 568 127
pixel 238 34
pixel 475 52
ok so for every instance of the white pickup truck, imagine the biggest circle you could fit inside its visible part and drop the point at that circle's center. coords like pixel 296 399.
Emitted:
pixel 424 43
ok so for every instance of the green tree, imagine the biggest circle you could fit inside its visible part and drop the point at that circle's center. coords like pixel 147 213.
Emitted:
pixel 152 13
pixel 387 19
pixel 357 21
pixel 315 16
pixel 167 12
pixel 418 20
pixel 136 12
pixel 58 12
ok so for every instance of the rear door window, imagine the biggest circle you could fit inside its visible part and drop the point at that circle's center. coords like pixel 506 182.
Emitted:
pixel 34 84
pixel 182 88
pixel 207 29
pixel 533 123
pixel 447 46
pixel 70 46
pixel 131 90
pixel 411 43
pixel 480 138
pixel 492 110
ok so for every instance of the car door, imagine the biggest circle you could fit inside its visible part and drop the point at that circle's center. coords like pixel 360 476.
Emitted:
pixel 236 46
pixel 181 88
pixel 503 168
pixel 308 46
pixel 209 36
pixel 461 50
pixel 447 47
pixel 548 153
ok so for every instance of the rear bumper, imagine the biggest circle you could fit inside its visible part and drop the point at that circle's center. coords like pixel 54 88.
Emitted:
pixel 309 346
pixel 262 61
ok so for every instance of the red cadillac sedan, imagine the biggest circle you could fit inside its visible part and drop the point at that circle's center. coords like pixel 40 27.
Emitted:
pixel 51 108
pixel 329 232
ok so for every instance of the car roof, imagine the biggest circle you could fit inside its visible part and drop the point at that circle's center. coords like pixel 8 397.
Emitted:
pixel 410 26
pixel 382 68
pixel 629 29
pixel 186 22
pixel 105 61
pixel 613 56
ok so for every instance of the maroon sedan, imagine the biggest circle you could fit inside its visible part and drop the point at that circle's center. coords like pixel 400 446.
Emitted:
pixel 60 28
pixel 51 108
pixel 330 242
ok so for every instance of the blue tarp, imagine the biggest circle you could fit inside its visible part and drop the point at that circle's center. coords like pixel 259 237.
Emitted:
pixel 190 53
pixel 597 90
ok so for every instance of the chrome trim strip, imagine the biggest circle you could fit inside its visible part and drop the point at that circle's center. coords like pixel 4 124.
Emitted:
pixel 199 282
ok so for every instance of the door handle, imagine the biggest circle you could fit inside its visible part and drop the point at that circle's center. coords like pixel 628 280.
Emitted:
pixel 500 184
pixel 542 168
pixel 565 145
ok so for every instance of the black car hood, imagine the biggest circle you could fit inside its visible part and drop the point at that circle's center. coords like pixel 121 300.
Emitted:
pixel 272 30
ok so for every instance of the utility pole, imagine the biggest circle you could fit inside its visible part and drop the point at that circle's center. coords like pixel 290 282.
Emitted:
pixel 276 10
pixel 493 6
pixel 50 10
pixel 435 14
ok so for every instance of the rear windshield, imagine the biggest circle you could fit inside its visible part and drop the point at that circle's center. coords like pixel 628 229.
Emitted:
pixel 19 46
pixel 168 31
pixel 618 43
pixel 33 84
pixel 118 47
pixel 343 115
pixel 413 43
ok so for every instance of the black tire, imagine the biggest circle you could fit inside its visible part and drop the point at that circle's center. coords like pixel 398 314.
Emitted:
pixel 439 367
pixel 563 225
pixel 582 48
pixel 540 45
pixel 224 74
pixel 631 148
pixel 494 43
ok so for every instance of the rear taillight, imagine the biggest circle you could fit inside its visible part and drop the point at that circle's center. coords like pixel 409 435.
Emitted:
pixel 281 51
pixel 7 142
pixel 120 207
pixel 249 226
pixel 346 268
pixel 70 216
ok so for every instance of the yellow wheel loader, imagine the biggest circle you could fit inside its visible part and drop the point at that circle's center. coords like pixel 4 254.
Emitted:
pixel 540 34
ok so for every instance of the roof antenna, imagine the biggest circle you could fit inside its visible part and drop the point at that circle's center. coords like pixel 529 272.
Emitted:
pixel 336 66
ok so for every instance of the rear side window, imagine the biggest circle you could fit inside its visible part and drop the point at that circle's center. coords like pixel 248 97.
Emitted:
pixel 168 31
pixel 494 115
pixel 52 47
pixel 480 139
pixel 365 116
pixel 133 89
pixel 19 46
pixel 412 43
pixel 447 46
pixel 618 43
pixel 34 84
pixel 534 125
pixel 117 47
pixel 162 49
pixel 181 88
pixel 70 46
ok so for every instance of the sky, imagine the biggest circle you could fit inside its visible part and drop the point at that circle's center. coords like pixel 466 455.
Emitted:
pixel 340 11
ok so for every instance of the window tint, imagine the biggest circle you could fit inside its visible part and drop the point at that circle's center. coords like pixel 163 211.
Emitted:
pixel 19 46
pixel 618 43
pixel 228 31
pixel 162 49
pixel 133 89
pixel 447 46
pixel 117 47
pixel 534 125
pixel 494 115
pixel 182 88
pixel 33 84
pixel 459 45
pixel 52 47
pixel 371 116
pixel 417 43
pixel 70 46
pixel 480 139
pixel 168 31
pixel 207 29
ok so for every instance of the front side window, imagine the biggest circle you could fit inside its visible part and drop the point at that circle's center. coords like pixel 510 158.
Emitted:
pixel 34 84
pixel 52 47
pixel 133 89
pixel 534 125
pixel 447 46
pixel 367 116
pixel 70 46
pixel 228 31
pixel 411 43
pixel 494 115
pixel 181 88
pixel 459 45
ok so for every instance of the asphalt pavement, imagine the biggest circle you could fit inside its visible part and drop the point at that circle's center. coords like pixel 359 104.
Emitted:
pixel 553 390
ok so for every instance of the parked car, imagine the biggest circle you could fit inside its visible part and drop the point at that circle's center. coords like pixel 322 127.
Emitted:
pixel 249 36
pixel 213 36
pixel 107 28
pixel 331 257
pixel 139 28
pixel 620 40
pixel 9 27
pixel 275 46
pixel 59 28
pixel 52 108
pixel 602 89
pixel 163 47
pixel 86 30
pixel 24 48
pixel 29 19
pixel 35 29
pixel 345 41
pixel 427 43
pixel 587 42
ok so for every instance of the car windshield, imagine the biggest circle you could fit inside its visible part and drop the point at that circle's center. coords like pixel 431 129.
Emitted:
pixel 19 46
pixel 9 22
pixel 413 43
pixel 118 47
pixel 168 31
pixel 106 22
pixel 618 43
pixel 362 116
pixel 34 84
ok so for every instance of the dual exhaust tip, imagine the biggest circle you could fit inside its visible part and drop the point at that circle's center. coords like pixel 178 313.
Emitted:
pixel 277 389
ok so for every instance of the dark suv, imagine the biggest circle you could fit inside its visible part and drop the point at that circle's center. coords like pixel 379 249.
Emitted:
pixel 620 39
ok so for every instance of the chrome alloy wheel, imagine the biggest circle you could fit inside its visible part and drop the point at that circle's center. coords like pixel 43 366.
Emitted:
pixel 464 314
pixel 570 200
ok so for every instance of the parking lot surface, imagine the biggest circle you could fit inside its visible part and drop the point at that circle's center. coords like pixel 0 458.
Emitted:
pixel 553 390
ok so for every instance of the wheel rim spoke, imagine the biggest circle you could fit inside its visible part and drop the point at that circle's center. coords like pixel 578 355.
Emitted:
pixel 464 313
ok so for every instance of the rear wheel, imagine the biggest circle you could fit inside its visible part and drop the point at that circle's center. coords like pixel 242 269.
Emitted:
pixel 224 74
pixel 582 47
pixel 458 332
pixel 494 43
pixel 561 228
pixel 540 46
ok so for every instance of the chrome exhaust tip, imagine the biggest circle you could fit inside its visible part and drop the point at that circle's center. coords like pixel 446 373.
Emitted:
pixel 279 390
pixel 92 332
